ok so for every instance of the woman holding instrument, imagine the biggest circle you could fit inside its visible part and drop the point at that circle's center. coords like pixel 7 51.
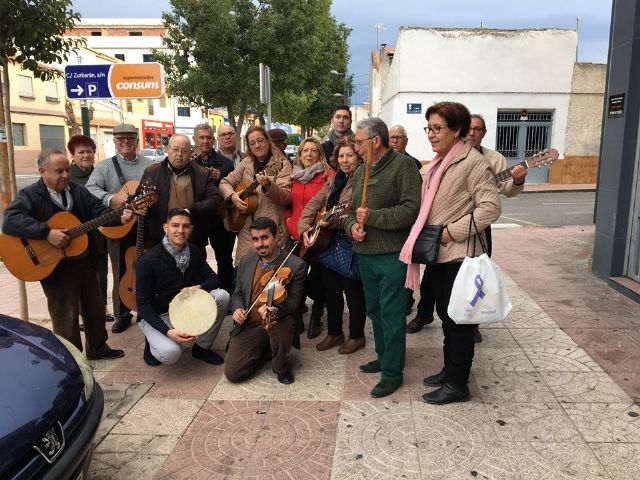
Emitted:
pixel 309 176
pixel 268 166
pixel 336 191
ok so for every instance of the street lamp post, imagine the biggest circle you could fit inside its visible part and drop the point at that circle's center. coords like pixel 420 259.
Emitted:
pixel 344 75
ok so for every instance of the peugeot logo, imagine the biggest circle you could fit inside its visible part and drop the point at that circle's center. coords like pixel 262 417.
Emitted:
pixel 52 443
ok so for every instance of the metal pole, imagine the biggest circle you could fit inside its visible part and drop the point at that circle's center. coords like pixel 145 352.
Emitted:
pixel 84 111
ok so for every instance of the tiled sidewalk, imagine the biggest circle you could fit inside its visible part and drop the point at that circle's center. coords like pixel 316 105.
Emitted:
pixel 553 395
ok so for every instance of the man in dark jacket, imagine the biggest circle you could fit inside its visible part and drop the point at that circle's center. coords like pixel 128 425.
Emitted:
pixel 161 273
pixel 219 166
pixel 73 285
pixel 181 183
pixel 340 127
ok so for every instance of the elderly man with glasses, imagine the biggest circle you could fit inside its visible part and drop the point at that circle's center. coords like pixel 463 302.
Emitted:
pixel 105 183
pixel 228 144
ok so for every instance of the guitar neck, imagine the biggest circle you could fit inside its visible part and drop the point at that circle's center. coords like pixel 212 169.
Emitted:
pixel 95 223
pixel 506 174
pixel 140 237
pixel 247 191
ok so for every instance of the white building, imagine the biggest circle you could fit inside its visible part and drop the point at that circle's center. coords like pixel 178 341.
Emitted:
pixel 519 80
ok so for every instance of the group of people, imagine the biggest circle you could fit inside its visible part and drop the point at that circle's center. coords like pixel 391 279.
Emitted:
pixel 280 205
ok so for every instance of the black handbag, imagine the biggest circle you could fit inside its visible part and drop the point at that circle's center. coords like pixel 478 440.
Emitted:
pixel 425 250
pixel 340 257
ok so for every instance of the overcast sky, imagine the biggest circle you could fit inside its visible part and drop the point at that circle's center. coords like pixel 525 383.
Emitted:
pixel 362 15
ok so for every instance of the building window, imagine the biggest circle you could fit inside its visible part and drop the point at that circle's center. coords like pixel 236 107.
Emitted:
pixel 52 91
pixel 129 106
pixel 119 56
pixel 150 107
pixel 18 134
pixel 520 136
pixel 147 57
pixel 96 34
pixel 52 136
pixel 184 112
pixel 25 86
pixel 135 34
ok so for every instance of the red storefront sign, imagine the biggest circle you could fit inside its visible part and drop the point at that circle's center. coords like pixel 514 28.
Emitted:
pixel 156 134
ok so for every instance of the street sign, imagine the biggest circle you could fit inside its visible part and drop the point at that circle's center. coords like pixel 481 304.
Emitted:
pixel 118 80
pixel 414 108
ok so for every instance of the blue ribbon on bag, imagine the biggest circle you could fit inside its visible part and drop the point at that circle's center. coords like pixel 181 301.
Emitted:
pixel 479 292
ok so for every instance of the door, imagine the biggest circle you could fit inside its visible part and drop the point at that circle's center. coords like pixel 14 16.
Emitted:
pixel 633 253
pixel 519 137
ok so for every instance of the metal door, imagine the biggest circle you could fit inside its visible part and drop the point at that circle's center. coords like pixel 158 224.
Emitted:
pixel 519 137
pixel 633 253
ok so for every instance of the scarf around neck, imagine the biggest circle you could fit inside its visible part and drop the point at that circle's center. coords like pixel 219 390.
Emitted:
pixel 339 181
pixel 430 185
pixel 182 257
pixel 335 137
pixel 305 175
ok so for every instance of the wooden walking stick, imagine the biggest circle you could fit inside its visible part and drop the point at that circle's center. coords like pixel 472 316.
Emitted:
pixel 367 174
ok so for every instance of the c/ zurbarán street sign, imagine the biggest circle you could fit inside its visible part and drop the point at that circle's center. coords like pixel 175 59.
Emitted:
pixel 117 81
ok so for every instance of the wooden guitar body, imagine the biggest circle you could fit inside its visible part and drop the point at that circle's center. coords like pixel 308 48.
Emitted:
pixel 120 231
pixel 32 260
pixel 234 220
pixel 127 287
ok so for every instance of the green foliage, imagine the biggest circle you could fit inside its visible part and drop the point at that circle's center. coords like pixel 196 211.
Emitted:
pixel 215 48
pixel 31 33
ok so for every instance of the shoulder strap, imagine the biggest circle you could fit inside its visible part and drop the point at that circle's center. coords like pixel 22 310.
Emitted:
pixel 116 165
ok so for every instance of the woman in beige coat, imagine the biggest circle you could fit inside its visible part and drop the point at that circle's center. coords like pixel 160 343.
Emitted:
pixel 337 191
pixel 269 167
pixel 458 186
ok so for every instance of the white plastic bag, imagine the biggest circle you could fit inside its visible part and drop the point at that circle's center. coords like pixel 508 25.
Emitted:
pixel 478 294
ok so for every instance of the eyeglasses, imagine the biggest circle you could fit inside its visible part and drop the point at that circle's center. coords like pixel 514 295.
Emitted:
pixel 228 134
pixel 476 129
pixel 128 138
pixel 258 141
pixel 395 138
pixel 360 142
pixel 434 129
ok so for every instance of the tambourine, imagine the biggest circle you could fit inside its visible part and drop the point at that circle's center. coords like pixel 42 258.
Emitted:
pixel 193 311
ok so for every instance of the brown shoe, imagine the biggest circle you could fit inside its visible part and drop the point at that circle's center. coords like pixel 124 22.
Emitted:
pixel 330 341
pixel 417 323
pixel 352 345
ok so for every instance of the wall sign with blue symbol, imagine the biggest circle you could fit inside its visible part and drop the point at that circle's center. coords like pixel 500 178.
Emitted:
pixel 414 108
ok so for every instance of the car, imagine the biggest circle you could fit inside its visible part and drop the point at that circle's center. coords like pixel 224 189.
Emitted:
pixel 290 151
pixel 50 404
pixel 154 154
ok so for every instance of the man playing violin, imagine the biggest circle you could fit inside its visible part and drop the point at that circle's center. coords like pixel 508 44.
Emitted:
pixel 161 273
pixel 250 344
pixel 73 286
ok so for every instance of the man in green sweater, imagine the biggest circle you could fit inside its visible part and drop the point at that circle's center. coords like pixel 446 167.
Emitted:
pixel 379 231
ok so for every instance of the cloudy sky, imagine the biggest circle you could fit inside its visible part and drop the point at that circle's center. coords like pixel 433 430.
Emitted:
pixel 362 16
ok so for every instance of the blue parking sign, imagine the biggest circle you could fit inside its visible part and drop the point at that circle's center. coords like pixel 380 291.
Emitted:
pixel 414 108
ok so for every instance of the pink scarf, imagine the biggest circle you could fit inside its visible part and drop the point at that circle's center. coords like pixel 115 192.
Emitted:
pixel 430 186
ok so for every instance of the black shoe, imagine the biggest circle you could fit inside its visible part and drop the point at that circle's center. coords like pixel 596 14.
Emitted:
pixel 109 318
pixel 448 393
pixel 418 322
pixel 315 323
pixel 286 378
pixel 121 324
pixel 148 357
pixel 109 354
pixel 371 367
pixel 410 303
pixel 384 388
pixel 477 336
pixel 208 356
pixel 436 380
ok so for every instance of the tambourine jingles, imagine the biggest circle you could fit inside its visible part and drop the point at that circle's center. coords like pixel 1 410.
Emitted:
pixel 193 311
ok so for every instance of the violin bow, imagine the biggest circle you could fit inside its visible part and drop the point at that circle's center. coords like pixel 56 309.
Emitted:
pixel 295 244
pixel 367 174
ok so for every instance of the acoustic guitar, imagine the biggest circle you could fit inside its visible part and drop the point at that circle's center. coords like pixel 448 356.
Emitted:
pixel 120 231
pixel 234 219
pixel 540 159
pixel 32 260
pixel 320 236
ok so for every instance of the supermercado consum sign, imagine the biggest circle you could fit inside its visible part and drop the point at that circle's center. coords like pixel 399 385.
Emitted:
pixel 120 81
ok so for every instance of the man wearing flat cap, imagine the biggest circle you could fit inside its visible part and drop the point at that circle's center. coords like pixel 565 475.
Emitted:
pixel 105 183
pixel 279 139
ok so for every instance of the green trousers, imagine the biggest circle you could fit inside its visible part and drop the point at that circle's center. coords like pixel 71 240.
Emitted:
pixel 383 278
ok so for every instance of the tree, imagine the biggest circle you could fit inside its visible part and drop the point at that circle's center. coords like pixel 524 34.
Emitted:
pixel 30 36
pixel 214 48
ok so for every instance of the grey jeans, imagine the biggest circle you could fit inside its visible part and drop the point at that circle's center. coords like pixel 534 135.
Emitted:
pixel 168 351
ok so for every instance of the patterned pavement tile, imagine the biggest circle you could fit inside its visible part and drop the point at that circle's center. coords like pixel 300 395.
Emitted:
pixel 606 422
pixel 579 387
pixel 561 360
pixel 501 359
pixel 532 317
pixel 318 376
pixel 532 422
pixel 543 337
pixel 430 336
pixel 143 444
pixel 619 460
pixel 376 440
pixel 124 466
pixel 497 338
pixel 464 422
pixel 512 387
pixel 263 385
pixel 118 400
pixel 158 416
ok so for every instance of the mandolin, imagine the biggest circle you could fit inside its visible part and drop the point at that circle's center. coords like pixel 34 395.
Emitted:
pixel 320 236
pixel 540 159
pixel 32 260
pixel 234 219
